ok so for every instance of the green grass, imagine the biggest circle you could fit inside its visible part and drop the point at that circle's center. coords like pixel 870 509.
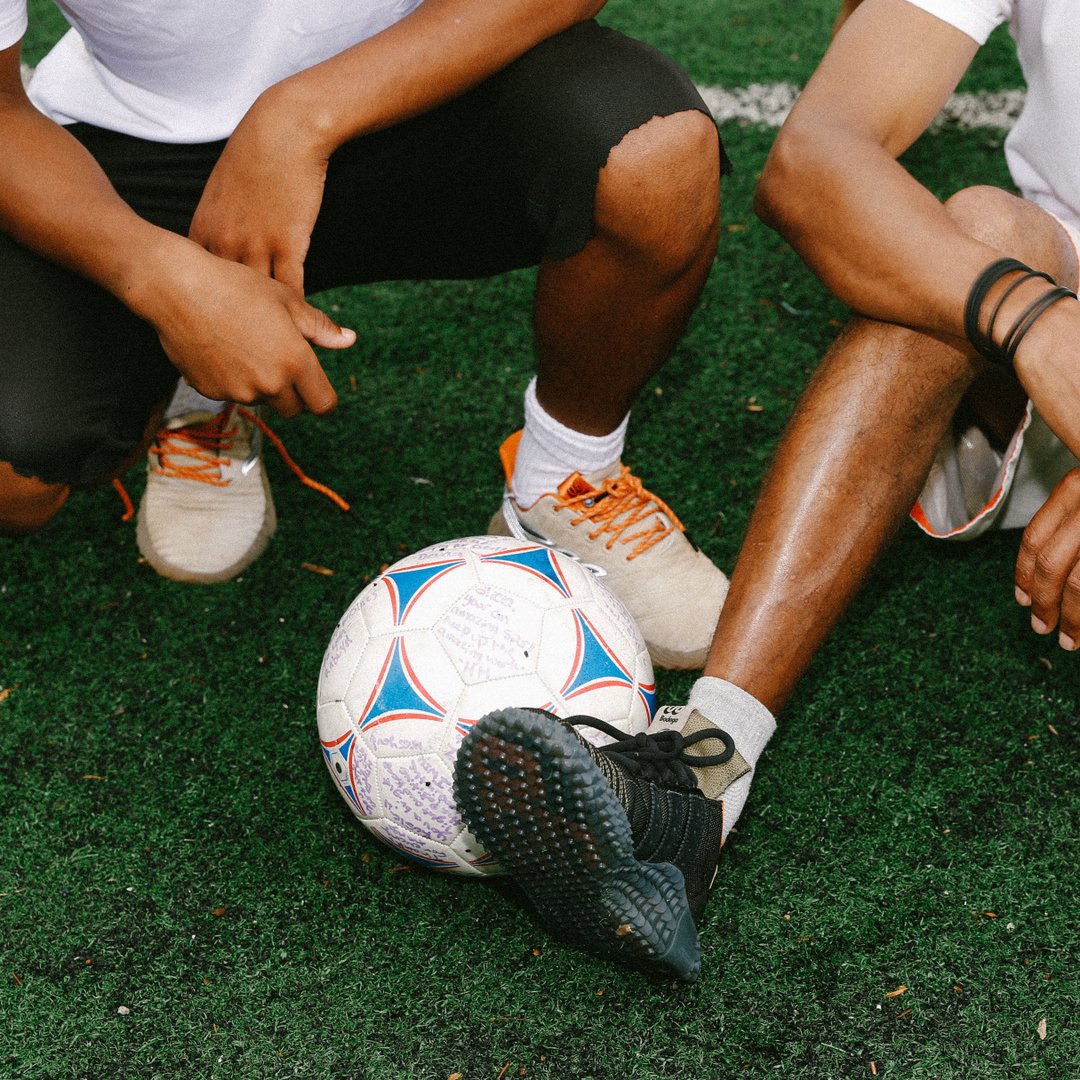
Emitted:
pixel 171 843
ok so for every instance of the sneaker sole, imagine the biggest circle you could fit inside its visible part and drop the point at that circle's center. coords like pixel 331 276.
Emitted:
pixel 535 799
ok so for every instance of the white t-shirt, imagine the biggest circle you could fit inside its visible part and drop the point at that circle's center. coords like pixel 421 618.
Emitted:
pixel 1043 148
pixel 182 71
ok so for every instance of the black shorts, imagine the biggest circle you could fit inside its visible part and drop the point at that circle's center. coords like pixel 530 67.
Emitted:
pixel 497 179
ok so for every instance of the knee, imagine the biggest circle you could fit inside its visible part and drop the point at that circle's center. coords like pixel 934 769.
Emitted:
pixel 1015 227
pixel 27 505
pixel 659 191
pixel 987 214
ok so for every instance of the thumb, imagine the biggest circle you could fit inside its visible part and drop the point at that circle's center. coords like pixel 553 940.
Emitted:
pixel 320 329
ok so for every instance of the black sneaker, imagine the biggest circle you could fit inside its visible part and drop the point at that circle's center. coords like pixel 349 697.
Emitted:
pixel 615 848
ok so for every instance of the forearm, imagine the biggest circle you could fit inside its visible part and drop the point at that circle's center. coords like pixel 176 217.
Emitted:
pixel 55 200
pixel 875 237
pixel 434 54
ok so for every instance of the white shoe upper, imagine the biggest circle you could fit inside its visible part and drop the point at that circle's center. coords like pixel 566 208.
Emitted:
pixel 207 511
pixel 638 546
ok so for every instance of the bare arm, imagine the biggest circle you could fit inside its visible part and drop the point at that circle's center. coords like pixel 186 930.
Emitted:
pixel 832 186
pixel 875 236
pixel 275 163
pixel 55 199
pixel 232 332
pixel 846 8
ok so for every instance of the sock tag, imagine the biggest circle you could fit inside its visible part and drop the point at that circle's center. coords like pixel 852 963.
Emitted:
pixel 713 780
pixel 716 779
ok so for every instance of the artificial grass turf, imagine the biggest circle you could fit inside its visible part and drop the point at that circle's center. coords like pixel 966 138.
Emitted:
pixel 172 845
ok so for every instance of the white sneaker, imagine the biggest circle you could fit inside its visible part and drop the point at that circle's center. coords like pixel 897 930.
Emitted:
pixel 207 511
pixel 634 541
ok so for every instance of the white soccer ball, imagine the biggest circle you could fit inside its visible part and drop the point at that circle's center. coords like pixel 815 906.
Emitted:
pixel 445 636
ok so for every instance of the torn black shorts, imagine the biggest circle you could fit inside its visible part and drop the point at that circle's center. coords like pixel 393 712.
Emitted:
pixel 497 179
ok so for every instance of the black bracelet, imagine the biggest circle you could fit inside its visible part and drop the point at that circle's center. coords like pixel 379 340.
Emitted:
pixel 1006 293
pixel 983 341
pixel 1027 319
pixel 982 285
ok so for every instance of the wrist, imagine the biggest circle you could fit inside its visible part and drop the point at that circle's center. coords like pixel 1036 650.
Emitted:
pixel 1005 302
pixel 300 112
pixel 152 270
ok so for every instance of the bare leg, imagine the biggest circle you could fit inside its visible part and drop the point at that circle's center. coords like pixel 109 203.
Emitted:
pixel 851 464
pixel 606 318
pixel 27 505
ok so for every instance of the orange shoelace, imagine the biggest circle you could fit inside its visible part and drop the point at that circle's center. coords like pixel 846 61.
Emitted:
pixel 203 446
pixel 618 504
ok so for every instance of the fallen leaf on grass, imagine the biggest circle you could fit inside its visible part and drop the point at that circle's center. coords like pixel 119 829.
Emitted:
pixel 5 693
pixel 1041 1029
pixel 315 568
pixel 901 989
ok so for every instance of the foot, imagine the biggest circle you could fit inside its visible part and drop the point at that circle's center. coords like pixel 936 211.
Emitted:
pixel 207 512
pixel 616 848
pixel 636 544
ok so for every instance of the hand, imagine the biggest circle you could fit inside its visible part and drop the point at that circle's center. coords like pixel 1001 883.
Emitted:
pixel 1048 566
pixel 237 335
pixel 260 203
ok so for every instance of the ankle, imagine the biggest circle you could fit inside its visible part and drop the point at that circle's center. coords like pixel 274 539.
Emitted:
pixel 549 452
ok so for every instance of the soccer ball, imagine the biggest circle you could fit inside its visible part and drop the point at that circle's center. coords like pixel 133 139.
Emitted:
pixel 445 636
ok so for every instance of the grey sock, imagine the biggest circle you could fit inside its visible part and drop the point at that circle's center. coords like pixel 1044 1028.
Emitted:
pixel 750 726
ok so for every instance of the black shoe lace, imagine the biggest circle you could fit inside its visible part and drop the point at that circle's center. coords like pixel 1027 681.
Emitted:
pixel 660 756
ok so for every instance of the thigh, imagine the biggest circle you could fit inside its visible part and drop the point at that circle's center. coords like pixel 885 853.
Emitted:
pixel 499 178
pixel 81 375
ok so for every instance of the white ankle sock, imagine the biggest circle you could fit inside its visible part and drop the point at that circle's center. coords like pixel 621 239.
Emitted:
pixel 746 720
pixel 549 451
pixel 186 399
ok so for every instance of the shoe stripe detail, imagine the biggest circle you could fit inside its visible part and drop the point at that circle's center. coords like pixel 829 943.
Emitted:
pixel 253 416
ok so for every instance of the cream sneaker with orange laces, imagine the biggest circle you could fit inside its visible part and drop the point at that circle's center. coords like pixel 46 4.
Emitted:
pixel 638 547
pixel 207 511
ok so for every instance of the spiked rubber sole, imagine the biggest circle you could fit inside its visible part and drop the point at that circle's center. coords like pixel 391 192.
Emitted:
pixel 532 795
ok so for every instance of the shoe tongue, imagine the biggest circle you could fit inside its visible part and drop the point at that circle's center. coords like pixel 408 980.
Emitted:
pixel 191 419
pixel 575 486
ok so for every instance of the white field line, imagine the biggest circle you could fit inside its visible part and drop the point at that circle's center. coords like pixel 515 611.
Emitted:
pixel 768 104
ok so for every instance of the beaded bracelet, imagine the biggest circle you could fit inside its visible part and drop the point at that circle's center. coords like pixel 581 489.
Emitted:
pixel 983 341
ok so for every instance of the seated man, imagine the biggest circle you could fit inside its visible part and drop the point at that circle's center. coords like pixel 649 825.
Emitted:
pixel 181 174
pixel 959 380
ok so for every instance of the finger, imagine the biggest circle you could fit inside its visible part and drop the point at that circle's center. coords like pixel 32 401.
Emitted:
pixel 320 329
pixel 1056 559
pixel 315 390
pixel 289 271
pixel 1039 532
pixel 286 403
pixel 1069 628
